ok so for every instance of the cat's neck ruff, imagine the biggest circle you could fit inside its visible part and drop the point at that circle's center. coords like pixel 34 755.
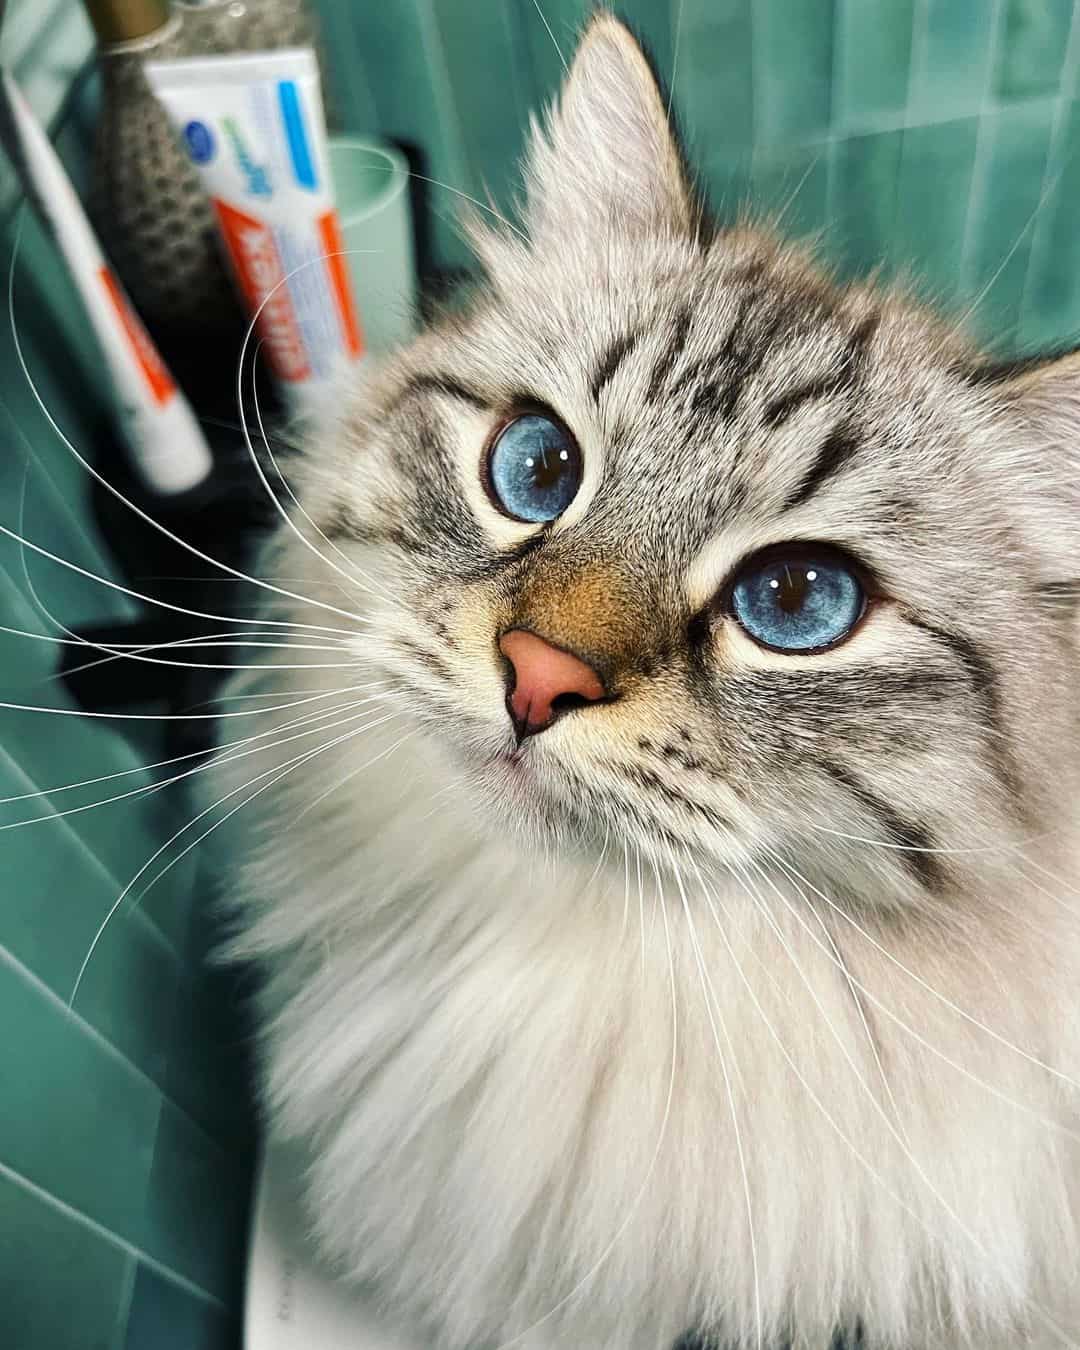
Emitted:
pixel 474 1033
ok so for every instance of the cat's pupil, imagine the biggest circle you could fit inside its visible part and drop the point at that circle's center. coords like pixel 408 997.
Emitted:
pixel 791 589
pixel 546 470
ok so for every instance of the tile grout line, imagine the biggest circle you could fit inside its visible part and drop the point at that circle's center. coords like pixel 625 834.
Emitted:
pixel 76 1216
pixel 885 125
pixel 510 16
pixel 431 41
pixel 757 119
pixel 920 39
pixel 980 166
pixel 123 1310
pixel 1052 173
pixel 917 42
pixel 84 846
pixel 833 138
pixel 55 120
pixel 60 504
pixel 9 959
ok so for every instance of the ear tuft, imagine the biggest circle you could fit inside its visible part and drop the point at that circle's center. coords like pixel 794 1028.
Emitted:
pixel 1042 397
pixel 606 155
pixel 1046 390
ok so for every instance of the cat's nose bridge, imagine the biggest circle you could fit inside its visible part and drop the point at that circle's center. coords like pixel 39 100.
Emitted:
pixel 593 611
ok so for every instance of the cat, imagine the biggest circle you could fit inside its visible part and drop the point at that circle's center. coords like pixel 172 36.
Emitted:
pixel 664 903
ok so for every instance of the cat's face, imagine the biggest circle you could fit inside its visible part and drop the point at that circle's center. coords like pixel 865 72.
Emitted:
pixel 808 564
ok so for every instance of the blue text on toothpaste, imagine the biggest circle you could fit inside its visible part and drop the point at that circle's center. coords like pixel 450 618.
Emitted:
pixel 258 180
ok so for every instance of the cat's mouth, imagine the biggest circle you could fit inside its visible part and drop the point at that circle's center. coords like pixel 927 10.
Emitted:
pixel 514 761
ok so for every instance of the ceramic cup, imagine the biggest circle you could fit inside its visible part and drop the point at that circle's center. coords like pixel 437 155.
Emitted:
pixel 371 181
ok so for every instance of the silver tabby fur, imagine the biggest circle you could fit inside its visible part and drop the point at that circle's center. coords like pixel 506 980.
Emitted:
pixel 748 1001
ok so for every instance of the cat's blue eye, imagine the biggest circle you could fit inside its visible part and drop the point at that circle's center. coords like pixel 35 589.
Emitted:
pixel 805 598
pixel 534 469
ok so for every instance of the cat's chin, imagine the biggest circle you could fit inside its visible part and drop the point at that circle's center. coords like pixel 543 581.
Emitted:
pixel 513 781
pixel 516 792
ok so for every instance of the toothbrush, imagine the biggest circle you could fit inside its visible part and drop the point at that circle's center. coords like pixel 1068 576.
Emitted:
pixel 164 438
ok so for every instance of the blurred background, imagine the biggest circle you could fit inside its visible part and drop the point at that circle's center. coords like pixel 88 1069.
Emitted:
pixel 933 140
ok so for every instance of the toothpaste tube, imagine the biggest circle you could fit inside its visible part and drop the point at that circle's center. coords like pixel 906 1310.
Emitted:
pixel 253 126
pixel 163 435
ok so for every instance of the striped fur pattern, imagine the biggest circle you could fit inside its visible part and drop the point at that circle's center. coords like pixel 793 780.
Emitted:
pixel 746 1002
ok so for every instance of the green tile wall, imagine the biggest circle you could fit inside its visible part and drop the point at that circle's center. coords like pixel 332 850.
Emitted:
pixel 872 61
pixel 1033 47
pixel 925 134
pixel 951 48
pixel 937 140
pixel 124 1140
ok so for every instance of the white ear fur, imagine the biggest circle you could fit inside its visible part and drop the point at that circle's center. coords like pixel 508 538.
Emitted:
pixel 1046 453
pixel 606 153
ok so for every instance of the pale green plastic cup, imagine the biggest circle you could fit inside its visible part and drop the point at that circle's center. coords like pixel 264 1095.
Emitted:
pixel 371 181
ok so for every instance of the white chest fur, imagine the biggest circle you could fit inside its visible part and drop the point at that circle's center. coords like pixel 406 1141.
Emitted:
pixel 532 1099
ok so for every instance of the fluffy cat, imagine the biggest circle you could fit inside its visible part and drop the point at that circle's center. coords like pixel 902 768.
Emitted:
pixel 665 905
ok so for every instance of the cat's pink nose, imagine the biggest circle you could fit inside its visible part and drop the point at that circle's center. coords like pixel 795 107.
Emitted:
pixel 546 681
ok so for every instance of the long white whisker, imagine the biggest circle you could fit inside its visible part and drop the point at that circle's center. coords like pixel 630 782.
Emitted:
pixel 877 1108
pixel 832 953
pixel 924 984
pixel 855 993
pixel 1045 871
pixel 793 196
pixel 1044 196
pixel 473 201
pixel 711 1004
pixel 652 1164
pixel 116 653
pixel 353 773
pixel 251 448
pixel 114 908
pixel 220 757
pixel 436 805
pixel 139 654
pixel 551 35
pixel 1058 900
pixel 263 621
pixel 600 861
pixel 307 756
pixel 641 911
pixel 832 949
pixel 864 1162
pixel 271 693
pixel 995 847
pixel 164 717
pixel 676 40
pixel 120 651
pixel 175 759
pixel 626 886
pixel 115 492
pixel 356 576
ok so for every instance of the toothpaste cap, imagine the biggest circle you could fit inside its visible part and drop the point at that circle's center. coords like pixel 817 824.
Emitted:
pixel 126 20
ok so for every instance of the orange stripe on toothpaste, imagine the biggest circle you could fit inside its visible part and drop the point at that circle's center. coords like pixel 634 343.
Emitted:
pixel 340 284
pixel 147 356
pixel 261 275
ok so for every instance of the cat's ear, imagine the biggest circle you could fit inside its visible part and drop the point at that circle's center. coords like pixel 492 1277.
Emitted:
pixel 1043 396
pixel 606 154
pixel 1045 390
pixel 1034 379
